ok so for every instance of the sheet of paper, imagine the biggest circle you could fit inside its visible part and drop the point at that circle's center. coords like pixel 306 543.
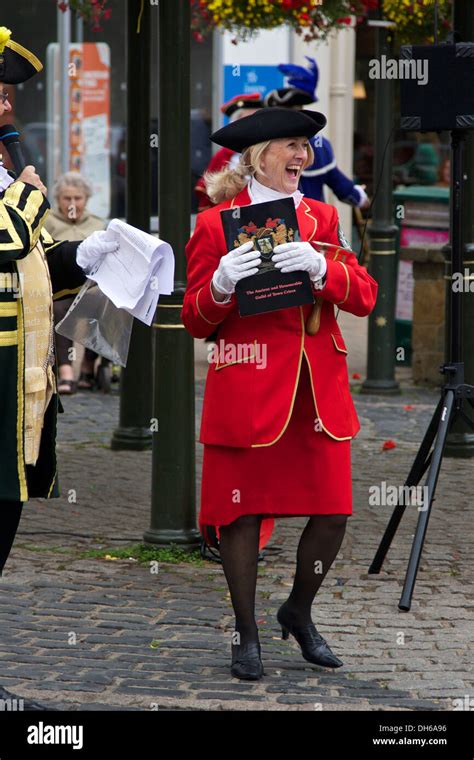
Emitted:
pixel 137 274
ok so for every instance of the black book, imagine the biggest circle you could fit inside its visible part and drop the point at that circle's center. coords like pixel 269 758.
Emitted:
pixel 267 225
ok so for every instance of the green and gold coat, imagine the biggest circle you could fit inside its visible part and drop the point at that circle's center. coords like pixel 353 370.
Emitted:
pixel 23 210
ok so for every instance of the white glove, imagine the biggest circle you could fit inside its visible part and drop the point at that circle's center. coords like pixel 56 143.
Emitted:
pixel 234 266
pixel 363 197
pixel 93 249
pixel 293 257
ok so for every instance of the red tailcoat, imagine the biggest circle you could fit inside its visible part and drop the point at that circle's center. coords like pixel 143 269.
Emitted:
pixel 249 406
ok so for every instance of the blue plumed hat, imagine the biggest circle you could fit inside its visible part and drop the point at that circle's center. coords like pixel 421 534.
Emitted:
pixel 303 78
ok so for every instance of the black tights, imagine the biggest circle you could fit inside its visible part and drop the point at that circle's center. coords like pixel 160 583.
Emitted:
pixel 317 549
pixel 10 514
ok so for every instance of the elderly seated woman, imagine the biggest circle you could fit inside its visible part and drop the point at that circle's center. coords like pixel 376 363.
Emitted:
pixel 71 220
pixel 276 439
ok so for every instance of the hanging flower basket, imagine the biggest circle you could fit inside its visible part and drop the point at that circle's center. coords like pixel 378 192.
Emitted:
pixel 415 19
pixel 93 11
pixel 315 20
pixel 244 18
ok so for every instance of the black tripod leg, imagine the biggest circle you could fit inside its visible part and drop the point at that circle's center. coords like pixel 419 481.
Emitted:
pixel 431 481
pixel 417 471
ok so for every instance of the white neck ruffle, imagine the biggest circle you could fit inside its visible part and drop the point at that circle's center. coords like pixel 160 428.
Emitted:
pixel 260 193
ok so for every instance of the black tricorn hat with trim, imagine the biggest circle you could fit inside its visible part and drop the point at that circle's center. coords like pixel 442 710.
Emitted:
pixel 268 124
pixel 17 64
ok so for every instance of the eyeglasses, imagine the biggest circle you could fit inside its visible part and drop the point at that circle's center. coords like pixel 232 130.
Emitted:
pixel 3 96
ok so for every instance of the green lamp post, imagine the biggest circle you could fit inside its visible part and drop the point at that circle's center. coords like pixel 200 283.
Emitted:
pixel 133 431
pixel 173 509
pixel 382 232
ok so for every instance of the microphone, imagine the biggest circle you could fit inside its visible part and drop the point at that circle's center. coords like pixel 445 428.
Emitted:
pixel 9 136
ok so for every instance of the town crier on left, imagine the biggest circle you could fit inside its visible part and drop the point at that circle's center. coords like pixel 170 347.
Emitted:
pixel 34 270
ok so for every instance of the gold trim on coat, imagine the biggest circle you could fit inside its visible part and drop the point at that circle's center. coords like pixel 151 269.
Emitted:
pixel 20 407
pixel 342 350
pixel 13 193
pixel 8 309
pixel 52 485
pixel 346 437
pixel 348 284
pixel 6 223
pixel 8 337
pixel 312 323
pixel 308 213
pixel 238 361
pixel 200 312
pixel 259 445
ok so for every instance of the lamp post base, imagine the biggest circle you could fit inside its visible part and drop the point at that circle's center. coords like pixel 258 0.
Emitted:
pixel 187 539
pixel 131 439
pixel 386 387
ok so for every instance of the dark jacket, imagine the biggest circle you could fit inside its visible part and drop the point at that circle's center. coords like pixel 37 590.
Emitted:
pixel 23 210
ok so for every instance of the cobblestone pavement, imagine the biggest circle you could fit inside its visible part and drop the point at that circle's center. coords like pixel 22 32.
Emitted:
pixel 82 633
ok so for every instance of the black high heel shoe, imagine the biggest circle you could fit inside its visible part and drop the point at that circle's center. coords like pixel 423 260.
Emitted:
pixel 314 647
pixel 246 661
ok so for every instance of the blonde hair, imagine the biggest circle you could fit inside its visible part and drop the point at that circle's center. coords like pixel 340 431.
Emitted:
pixel 227 183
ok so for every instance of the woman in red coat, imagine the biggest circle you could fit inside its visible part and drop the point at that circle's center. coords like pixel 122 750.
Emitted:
pixel 277 421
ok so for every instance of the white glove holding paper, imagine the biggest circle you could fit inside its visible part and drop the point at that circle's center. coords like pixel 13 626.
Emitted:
pixel 300 256
pixel 93 249
pixel 136 273
pixel 234 266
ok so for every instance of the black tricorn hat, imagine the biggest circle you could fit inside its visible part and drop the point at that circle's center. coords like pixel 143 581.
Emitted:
pixel 288 97
pixel 268 124
pixel 17 64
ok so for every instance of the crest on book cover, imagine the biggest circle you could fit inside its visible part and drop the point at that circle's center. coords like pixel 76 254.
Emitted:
pixel 274 232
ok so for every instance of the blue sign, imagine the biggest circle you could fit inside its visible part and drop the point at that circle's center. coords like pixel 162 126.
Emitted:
pixel 242 80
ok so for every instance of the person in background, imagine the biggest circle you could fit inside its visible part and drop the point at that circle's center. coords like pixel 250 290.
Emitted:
pixel 426 161
pixel 323 171
pixel 70 220
pixel 236 108
pixel 444 173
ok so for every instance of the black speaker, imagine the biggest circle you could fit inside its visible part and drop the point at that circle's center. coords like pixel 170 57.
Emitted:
pixel 446 101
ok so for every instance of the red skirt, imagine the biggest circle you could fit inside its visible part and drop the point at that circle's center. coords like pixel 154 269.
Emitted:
pixel 304 473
